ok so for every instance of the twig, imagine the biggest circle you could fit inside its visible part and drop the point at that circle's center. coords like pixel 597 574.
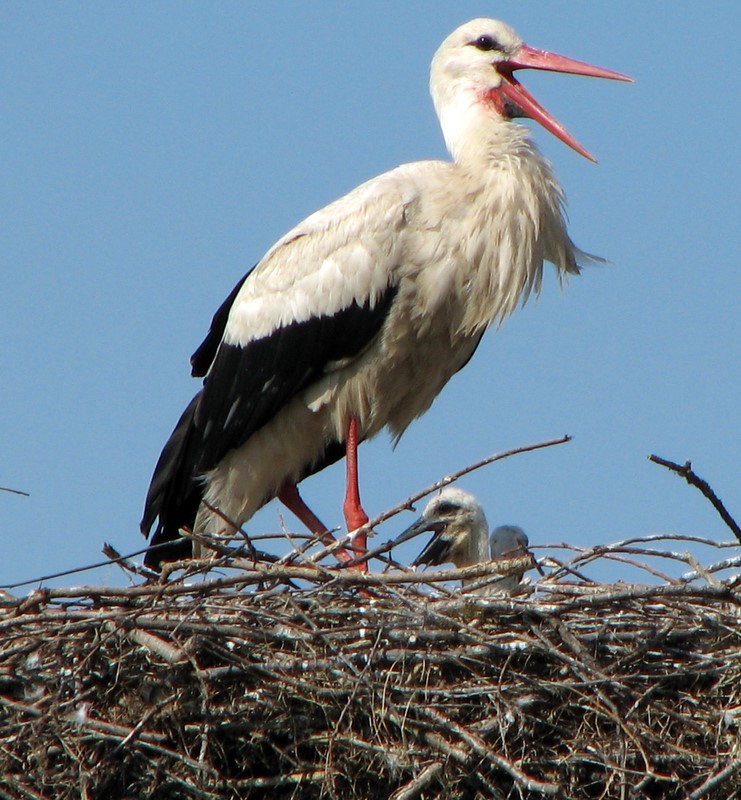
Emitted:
pixel 695 480
pixel 127 564
pixel 715 780
pixel 168 652
pixel 14 491
pixel 420 782
pixel 74 571
pixel 408 504
pixel 727 563
pixel 589 594
pixel 480 747
pixel 139 727
pixel 243 533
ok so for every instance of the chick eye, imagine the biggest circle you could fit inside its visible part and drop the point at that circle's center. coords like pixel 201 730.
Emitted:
pixel 446 508
pixel 486 42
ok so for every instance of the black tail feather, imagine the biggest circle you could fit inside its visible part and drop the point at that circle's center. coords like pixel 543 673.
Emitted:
pixel 174 494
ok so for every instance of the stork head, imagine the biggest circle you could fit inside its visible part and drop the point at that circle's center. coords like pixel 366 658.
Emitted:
pixel 460 529
pixel 474 68
pixel 508 541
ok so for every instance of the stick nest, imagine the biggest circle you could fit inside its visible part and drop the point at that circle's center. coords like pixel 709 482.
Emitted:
pixel 297 681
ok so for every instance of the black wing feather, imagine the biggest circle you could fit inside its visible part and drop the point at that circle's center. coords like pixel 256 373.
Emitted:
pixel 203 357
pixel 172 496
pixel 245 388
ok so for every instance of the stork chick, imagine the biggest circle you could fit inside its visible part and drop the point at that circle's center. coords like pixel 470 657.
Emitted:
pixel 462 536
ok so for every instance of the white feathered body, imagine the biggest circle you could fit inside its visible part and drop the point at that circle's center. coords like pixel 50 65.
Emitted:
pixel 367 308
pixel 463 244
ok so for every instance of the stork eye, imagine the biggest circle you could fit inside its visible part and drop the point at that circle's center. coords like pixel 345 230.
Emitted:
pixel 486 42
pixel 446 508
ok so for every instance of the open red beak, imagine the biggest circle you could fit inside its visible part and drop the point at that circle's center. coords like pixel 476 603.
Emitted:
pixel 531 58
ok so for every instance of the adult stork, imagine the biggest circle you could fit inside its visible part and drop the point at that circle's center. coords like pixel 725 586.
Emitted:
pixel 358 316
pixel 462 536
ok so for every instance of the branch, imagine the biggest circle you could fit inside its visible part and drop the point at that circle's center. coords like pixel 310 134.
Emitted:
pixel 695 480
pixel 419 783
pixel 74 571
pixel 14 491
pixel 715 780
pixel 127 564
pixel 481 748
pixel 408 505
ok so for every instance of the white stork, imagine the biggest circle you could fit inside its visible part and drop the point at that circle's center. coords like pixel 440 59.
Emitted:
pixel 356 319
pixel 462 536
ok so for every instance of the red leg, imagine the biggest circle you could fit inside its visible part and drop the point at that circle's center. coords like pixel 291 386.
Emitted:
pixel 291 499
pixel 355 516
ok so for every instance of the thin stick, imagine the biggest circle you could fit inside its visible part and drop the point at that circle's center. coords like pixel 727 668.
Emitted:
pixel 127 564
pixel 718 566
pixel 243 533
pixel 408 504
pixel 74 571
pixel 419 783
pixel 715 780
pixel 14 491
pixel 695 480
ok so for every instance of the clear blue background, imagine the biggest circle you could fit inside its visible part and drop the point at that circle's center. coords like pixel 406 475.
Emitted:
pixel 151 152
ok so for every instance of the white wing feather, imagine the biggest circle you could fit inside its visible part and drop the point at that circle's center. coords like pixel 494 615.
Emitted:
pixel 347 251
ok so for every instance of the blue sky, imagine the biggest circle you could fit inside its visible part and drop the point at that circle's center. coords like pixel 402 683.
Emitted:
pixel 151 153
